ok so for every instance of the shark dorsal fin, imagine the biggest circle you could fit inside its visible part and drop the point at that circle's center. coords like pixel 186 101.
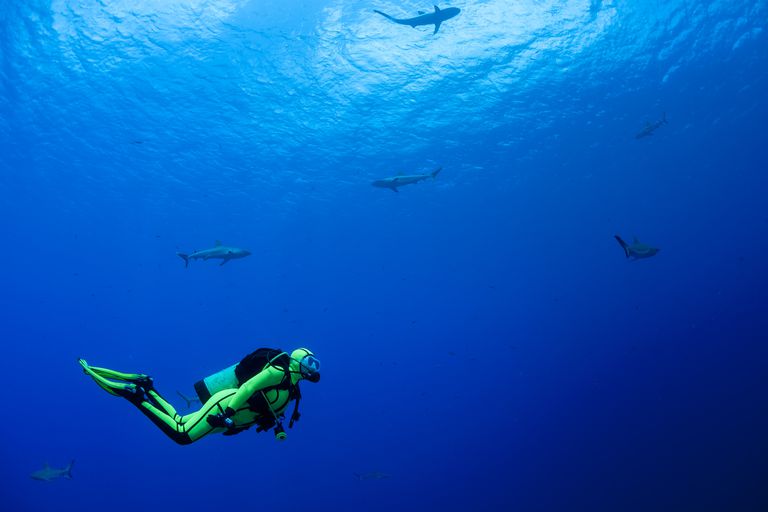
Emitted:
pixel 218 243
pixel 422 12
pixel 437 9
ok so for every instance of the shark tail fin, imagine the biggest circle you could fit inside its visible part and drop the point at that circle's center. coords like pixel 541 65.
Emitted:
pixel 385 15
pixel 184 257
pixel 185 398
pixel 436 172
pixel 358 476
pixel 68 469
pixel 623 245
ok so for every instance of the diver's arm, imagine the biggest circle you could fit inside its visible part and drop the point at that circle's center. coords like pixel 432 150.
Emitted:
pixel 268 377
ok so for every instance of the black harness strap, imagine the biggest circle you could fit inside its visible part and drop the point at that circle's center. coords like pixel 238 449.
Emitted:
pixel 296 414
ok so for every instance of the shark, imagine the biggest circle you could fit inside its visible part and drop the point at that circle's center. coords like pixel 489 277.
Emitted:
pixel 652 127
pixel 373 475
pixel 188 399
pixel 48 473
pixel 636 250
pixel 425 18
pixel 400 180
pixel 221 252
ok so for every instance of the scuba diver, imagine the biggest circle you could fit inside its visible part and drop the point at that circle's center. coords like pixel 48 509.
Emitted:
pixel 255 391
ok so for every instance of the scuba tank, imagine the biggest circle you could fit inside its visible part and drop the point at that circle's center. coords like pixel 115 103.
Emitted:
pixel 209 386
pixel 234 376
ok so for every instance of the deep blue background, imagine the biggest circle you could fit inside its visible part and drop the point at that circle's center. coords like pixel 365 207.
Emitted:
pixel 484 341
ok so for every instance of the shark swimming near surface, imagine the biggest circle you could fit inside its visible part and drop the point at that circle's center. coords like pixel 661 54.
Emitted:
pixel 652 127
pixel 48 473
pixel 636 250
pixel 400 180
pixel 221 252
pixel 373 475
pixel 426 18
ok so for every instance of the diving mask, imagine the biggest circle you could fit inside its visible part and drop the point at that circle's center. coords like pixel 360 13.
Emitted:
pixel 309 366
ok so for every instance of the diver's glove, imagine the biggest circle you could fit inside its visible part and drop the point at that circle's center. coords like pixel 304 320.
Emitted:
pixel 222 420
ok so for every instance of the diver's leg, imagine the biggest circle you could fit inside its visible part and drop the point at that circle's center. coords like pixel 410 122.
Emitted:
pixel 147 402
pixel 139 379
pixel 161 403
pixel 187 429
pixel 196 424
pixel 182 430
pixel 142 398
pixel 169 425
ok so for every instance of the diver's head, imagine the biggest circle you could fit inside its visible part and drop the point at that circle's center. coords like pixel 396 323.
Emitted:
pixel 304 365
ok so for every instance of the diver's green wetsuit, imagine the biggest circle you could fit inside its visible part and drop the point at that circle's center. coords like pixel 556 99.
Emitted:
pixel 261 400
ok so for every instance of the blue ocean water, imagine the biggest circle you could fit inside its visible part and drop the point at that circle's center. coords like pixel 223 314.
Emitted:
pixel 485 343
